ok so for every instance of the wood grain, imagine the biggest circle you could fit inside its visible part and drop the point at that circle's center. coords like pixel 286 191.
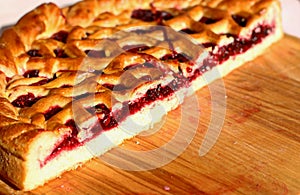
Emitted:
pixel 257 151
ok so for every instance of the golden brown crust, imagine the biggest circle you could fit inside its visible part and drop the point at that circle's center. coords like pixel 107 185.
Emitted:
pixel 9 163
pixel 47 19
pixel 74 73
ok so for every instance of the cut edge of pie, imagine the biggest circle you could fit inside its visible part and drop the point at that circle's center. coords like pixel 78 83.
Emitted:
pixel 31 156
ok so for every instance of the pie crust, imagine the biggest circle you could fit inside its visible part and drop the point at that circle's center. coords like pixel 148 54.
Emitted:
pixel 55 62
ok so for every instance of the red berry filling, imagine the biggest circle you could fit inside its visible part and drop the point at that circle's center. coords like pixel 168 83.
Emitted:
pixel 25 100
pixel 34 53
pixel 105 118
pixel 150 96
pixel 242 45
pixel 60 53
pixel 70 142
pixel 188 31
pixel 207 20
pixel 238 46
pixel 35 73
pixel 31 73
pixel 151 15
pixel 52 111
pixel 240 20
pixel 109 86
pixel 41 82
pixel 61 36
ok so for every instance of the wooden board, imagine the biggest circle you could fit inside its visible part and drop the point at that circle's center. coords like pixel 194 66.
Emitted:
pixel 257 152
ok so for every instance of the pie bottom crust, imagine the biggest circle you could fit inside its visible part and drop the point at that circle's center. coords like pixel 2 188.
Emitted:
pixel 27 174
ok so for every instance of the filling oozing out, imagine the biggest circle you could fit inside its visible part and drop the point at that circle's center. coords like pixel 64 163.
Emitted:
pixel 108 119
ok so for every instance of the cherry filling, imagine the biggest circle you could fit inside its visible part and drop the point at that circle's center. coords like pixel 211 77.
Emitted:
pixel 52 111
pixel 65 86
pixel 31 73
pixel 207 20
pixel 25 100
pixel 8 79
pixel 206 45
pixel 151 15
pixel 109 120
pixel 152 95
pixel 240 20
pixel 34 53
pixel 41 82
pixel 70 142
pixel 106 120
pixel 188 31
pixel 238 46
pixel 61 36
pixel 60 53
pixel 35 73
pixel 109 86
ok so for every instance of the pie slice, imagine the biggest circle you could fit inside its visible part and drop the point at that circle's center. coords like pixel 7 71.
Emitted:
pixel 75 76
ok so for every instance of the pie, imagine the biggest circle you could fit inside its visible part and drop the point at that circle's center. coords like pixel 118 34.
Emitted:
pixel 76 75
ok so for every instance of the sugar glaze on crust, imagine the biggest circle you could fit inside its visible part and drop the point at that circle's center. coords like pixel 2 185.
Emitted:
pixel 41 55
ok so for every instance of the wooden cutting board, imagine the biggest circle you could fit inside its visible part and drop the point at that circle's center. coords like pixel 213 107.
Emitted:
pixel 257 152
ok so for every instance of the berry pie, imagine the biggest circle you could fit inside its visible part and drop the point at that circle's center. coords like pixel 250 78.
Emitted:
pixel 80 75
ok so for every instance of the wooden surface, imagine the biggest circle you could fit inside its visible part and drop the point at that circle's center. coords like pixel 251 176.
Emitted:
pixel 257 152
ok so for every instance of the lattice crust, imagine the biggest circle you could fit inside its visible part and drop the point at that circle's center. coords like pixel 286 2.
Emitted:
pixel 53 54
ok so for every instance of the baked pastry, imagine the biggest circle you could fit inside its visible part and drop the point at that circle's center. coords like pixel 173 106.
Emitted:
pixel 74 76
